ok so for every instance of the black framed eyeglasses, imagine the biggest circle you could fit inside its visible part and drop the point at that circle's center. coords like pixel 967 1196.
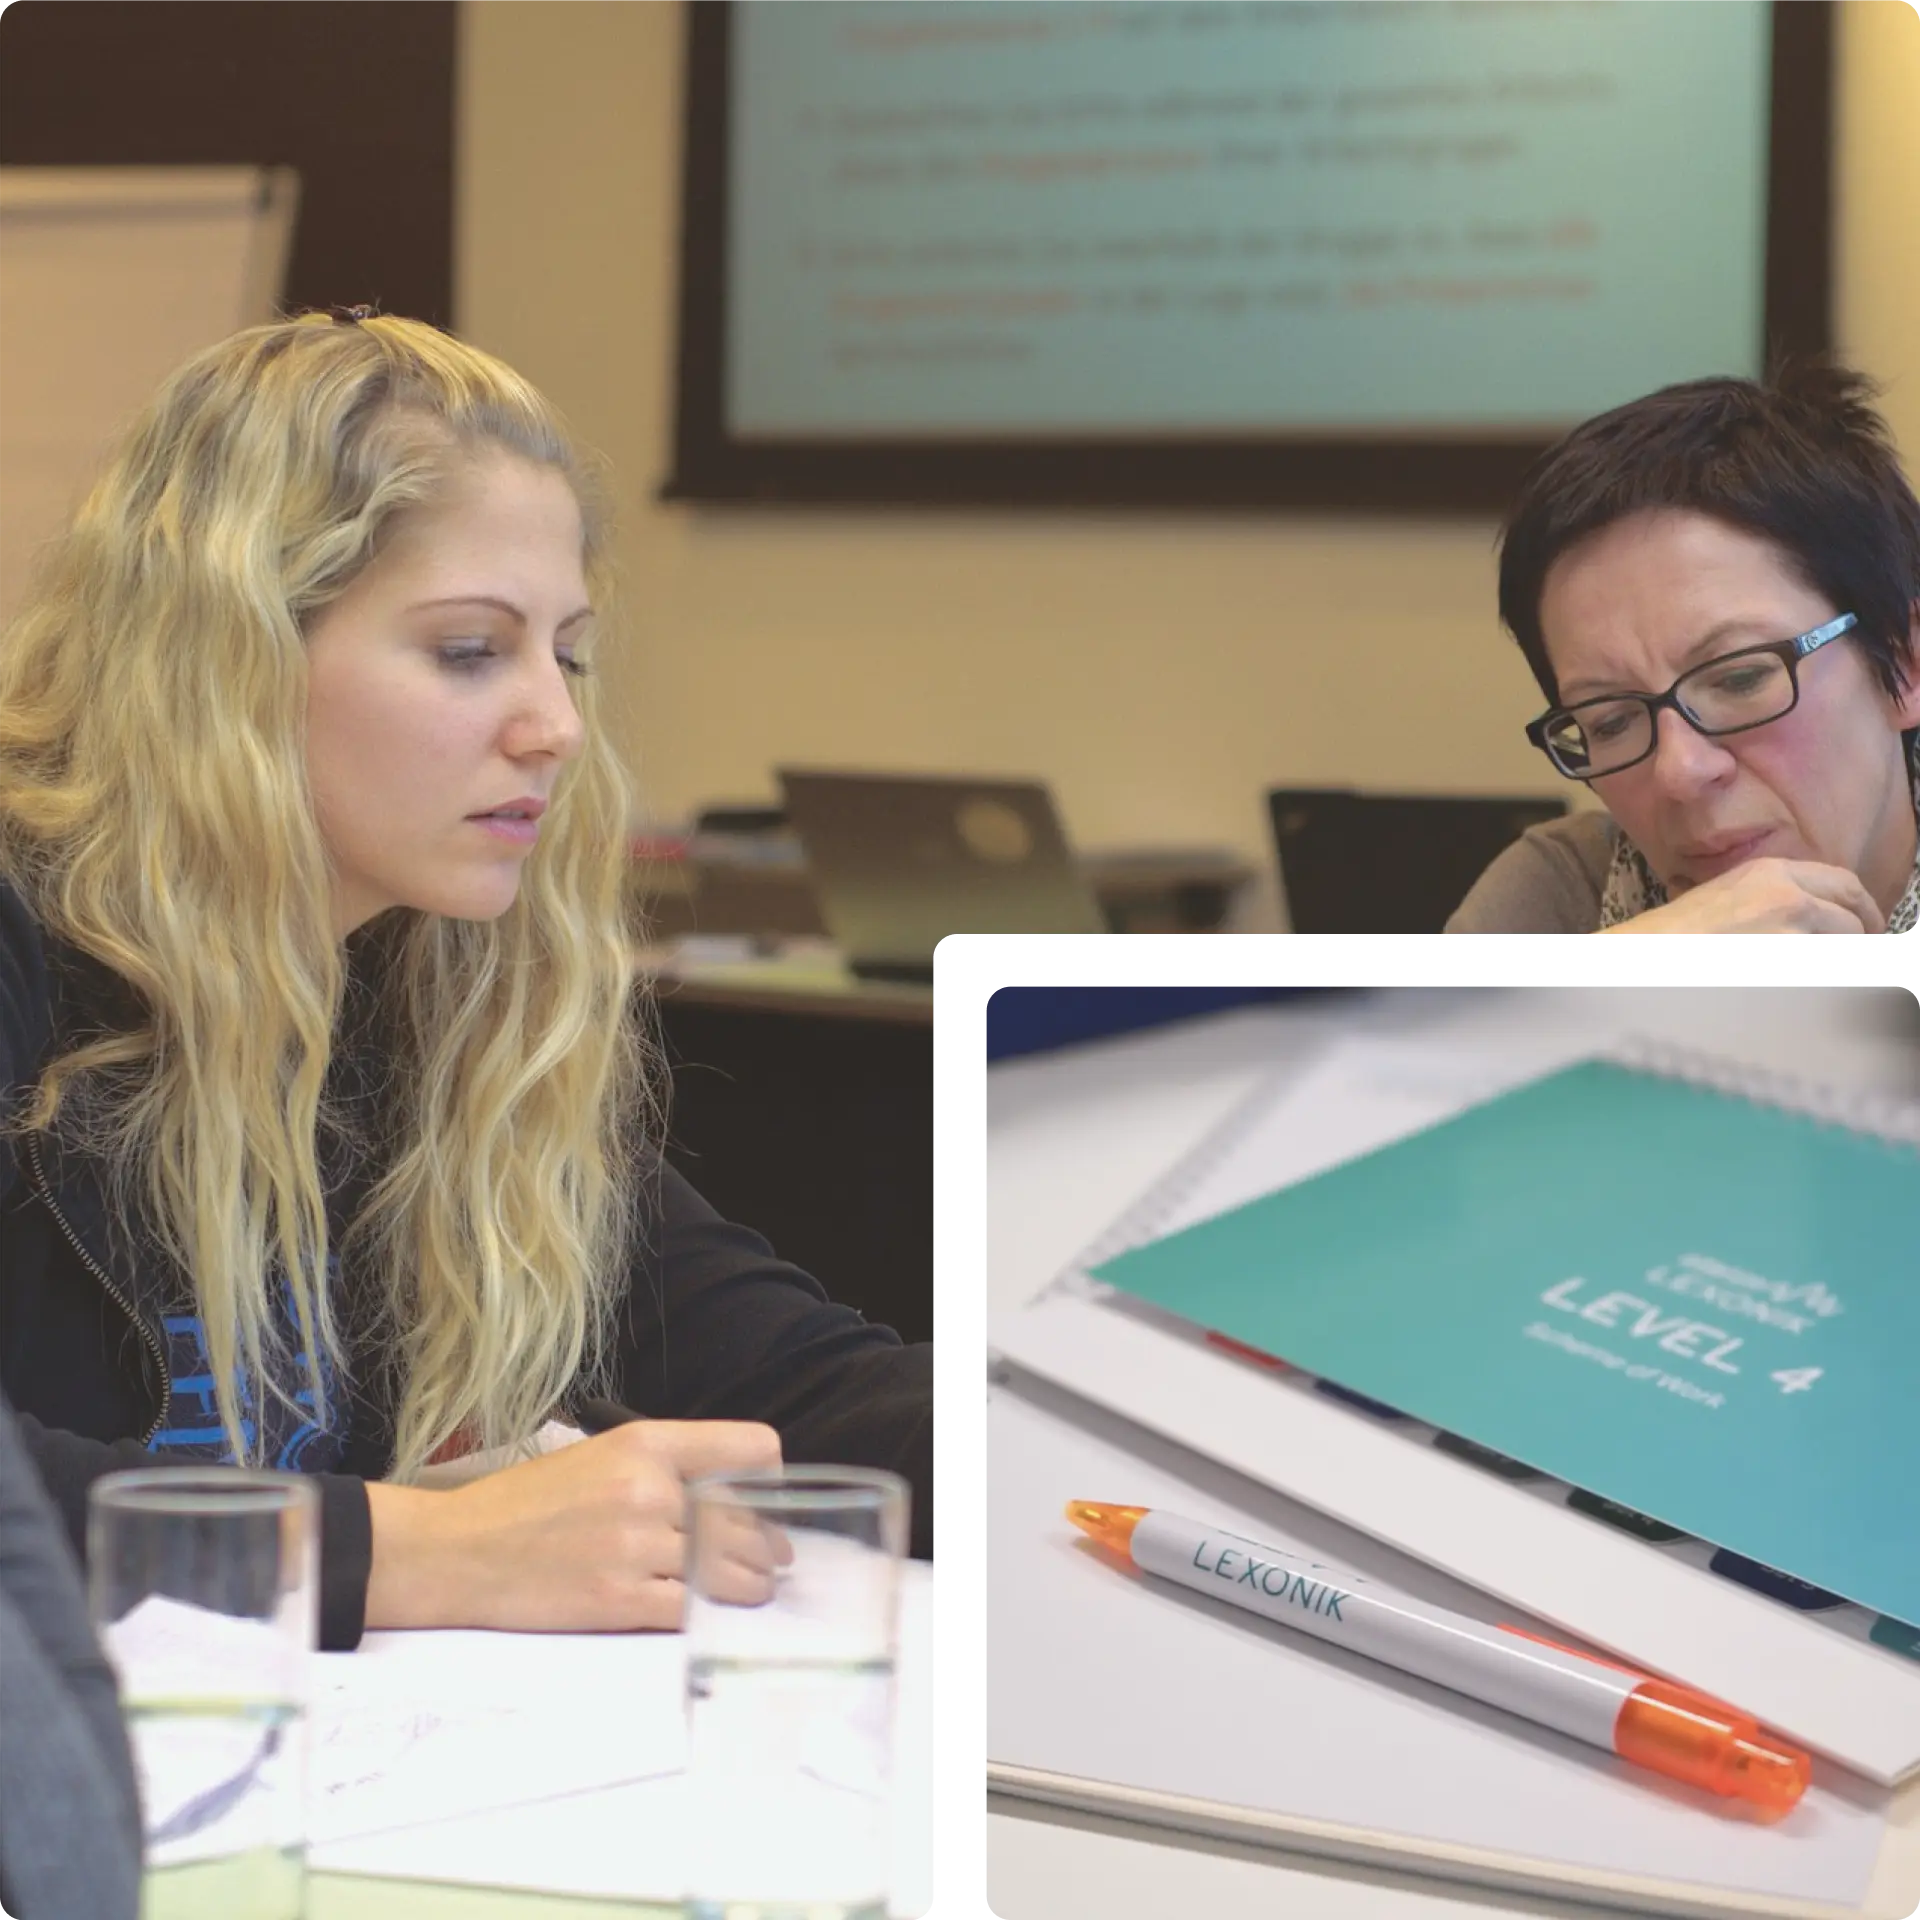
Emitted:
pixel 1729 694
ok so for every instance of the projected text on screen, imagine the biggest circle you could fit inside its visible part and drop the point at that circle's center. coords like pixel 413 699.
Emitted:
pixel 1013 218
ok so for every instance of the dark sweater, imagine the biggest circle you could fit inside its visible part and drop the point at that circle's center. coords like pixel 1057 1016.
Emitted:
pixel 713 1326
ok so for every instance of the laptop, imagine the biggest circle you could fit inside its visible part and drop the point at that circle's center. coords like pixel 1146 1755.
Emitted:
pixel 898 861
pixel 1389 862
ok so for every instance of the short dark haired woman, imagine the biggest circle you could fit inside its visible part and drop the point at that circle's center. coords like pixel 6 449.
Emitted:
pixel 1718 590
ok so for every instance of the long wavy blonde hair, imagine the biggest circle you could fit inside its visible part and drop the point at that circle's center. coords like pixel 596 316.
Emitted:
pixel 155 812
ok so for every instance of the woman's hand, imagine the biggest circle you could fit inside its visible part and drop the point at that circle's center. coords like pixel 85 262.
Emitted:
pixel 1767 896
pixel 590 1537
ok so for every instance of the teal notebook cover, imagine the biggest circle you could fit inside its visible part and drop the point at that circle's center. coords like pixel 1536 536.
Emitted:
pixel 1701 1306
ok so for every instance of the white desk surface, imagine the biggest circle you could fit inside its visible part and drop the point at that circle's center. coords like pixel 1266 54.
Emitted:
pixel 1073 1137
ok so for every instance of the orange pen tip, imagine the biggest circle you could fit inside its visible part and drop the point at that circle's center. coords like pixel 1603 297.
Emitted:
pixel 1111 1526
pixel 1689 1737
pixel 1767 1774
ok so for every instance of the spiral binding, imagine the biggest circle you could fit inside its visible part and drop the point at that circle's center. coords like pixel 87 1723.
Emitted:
pixel 1143 1216
pixel 1877 1116
pixel 1874 1116
pixel 1141 1221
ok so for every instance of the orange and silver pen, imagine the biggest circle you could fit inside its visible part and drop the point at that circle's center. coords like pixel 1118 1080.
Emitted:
pixel 1655 1723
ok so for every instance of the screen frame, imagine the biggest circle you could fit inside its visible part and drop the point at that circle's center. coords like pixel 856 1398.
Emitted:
pixel 1438 474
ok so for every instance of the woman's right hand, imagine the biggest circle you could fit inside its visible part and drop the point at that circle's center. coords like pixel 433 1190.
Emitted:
pixel 589 1537
pixel 1767 896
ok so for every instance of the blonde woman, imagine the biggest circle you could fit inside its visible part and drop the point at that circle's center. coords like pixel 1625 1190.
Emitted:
pixel 331 1119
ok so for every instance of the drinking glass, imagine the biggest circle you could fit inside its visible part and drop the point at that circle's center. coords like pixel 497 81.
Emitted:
pixel 793 1598
pixel 204 1586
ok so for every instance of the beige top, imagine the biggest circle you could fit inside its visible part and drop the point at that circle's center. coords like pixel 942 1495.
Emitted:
pixel 1563 878
pixel 1549 881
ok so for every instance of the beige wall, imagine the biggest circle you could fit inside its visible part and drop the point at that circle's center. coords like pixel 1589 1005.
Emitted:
pixel 1161 671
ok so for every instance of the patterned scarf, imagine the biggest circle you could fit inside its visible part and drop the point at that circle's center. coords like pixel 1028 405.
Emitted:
pixel 1631 887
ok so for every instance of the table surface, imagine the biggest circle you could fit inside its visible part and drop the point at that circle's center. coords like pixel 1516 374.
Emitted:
pixel 1074 1136
pixel 808 978
pixel 592 1849
pixel 173 1895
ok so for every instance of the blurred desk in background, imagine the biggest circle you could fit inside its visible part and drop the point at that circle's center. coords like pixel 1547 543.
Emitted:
pixel 802 975
pixel 1167 890
pixel 1140 890
pixel 803 1108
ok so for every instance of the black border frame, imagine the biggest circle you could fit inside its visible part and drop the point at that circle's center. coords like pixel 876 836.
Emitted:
pixel 1432 475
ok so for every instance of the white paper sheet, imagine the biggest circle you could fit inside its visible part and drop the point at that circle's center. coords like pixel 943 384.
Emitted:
pixel 1105 1676
pixel 416 1727
pixel 411 1728
pixel 624 1841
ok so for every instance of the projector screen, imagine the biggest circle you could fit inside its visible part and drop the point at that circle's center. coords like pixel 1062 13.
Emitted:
pixel 1348 254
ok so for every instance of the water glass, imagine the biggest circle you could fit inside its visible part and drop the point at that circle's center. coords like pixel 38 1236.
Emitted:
pixel 204 1586
pixel 793 1600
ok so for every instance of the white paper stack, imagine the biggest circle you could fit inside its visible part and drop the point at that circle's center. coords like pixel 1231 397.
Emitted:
pixel 1114 1694
pixel 1853 1702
